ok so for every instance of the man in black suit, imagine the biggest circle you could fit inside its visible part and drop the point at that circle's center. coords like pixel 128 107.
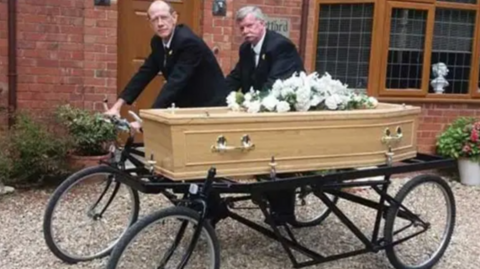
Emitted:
pixel 193 75
pixel 265 55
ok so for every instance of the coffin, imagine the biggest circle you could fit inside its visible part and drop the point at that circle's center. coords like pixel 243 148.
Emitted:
pixel 186 143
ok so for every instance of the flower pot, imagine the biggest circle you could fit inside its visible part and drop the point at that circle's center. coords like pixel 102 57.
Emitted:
pixel 77 162
pixel 469 172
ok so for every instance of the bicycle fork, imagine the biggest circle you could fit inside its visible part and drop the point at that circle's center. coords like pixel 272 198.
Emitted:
pixel 200 199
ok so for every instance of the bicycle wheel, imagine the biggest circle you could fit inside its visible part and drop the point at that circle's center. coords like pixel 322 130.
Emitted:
pixel 422 235
pixel 157 242
pixel 90 196
pixel 309 209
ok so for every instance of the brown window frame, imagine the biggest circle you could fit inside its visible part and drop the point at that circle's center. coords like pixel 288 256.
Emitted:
pixel 380 47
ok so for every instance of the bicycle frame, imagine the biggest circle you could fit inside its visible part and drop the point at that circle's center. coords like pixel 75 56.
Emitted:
pixel 321 185
pixel 204 196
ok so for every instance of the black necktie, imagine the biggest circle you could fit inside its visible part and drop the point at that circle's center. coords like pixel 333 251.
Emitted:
pixel 165 56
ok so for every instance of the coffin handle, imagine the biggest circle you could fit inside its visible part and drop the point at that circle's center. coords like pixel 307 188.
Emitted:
pixel 389 139
pixel 222 146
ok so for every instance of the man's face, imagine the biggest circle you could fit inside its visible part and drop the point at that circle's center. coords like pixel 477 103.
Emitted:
pixel 251 29
pixel 162 21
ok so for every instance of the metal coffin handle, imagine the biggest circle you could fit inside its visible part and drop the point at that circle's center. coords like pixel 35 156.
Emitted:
pixel 221 145
pixel 389 139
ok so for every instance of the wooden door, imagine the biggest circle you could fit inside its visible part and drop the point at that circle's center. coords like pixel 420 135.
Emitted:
pixel 134 35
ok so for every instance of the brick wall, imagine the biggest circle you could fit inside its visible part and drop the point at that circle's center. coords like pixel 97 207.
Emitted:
pixel 3 63
pixel 67 51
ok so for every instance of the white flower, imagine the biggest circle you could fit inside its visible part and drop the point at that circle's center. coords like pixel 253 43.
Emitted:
pixel 357 98
pixel 283 106
pixel 316 99
pixel 373 102
pixel 293 82
pixel 232 99
pixel 232 102
pixel 303 94
pixel 248 97
pixel 270 102
pixel 253 107
pixel 235 107
pixel 277 88
pixel 333 101
pixel 286 91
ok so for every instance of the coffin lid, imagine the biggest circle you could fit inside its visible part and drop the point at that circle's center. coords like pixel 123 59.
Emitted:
pixel 207 115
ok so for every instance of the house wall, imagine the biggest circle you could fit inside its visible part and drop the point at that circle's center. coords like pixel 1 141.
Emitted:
pixel 3 63
pixel 67 51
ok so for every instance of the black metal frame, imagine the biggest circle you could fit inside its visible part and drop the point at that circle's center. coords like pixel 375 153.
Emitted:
pixel 321 184
pixel 213 207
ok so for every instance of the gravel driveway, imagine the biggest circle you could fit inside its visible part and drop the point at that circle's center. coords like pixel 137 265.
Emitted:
pixel 22 245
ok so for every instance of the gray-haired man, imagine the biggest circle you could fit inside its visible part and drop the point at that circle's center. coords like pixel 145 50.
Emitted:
pixel 264 56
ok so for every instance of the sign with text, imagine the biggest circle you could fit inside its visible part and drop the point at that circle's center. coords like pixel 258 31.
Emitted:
pixel 280 25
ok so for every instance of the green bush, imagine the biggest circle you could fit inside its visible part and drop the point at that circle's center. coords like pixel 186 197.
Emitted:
pixel 460 139
pixel 31 154
pixel 90 133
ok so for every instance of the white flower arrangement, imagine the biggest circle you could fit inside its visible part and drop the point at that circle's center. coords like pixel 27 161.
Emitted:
pixel 301 92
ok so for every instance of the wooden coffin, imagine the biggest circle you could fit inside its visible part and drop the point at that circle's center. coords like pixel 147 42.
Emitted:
pixel 186 143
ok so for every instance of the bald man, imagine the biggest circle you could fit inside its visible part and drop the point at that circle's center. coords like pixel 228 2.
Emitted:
pixel 194 77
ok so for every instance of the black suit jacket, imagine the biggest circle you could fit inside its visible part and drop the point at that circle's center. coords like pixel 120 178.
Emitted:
pixel 193 75
pixel 278 59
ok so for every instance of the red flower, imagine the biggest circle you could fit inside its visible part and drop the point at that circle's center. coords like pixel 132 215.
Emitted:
pixel 474 136
pixel 467 149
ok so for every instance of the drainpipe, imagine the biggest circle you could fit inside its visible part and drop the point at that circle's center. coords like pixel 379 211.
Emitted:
pixel 303 29
pixel 12 61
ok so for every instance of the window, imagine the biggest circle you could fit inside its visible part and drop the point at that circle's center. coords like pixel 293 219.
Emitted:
pixel 453 46
pixel 406 50
pixel 427 49
pixel 344 39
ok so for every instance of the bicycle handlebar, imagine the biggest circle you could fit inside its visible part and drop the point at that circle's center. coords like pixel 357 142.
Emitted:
pixel 123 123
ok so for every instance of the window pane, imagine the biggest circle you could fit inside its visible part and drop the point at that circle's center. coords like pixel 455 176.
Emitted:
pixel 344 40
pixel 452 46
pixel 405 55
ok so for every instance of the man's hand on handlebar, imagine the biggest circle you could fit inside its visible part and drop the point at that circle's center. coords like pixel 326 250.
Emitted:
pixel 114 113
pixel 137 126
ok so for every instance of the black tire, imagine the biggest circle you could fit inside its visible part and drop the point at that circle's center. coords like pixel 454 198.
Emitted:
pixel 138 227
pixel 393 211
pixel 316 221
pixel 64 187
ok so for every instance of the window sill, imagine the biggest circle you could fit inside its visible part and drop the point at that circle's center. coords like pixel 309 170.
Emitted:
pixel 454 100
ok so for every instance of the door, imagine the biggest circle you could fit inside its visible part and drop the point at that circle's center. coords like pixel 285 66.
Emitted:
pixel 134 35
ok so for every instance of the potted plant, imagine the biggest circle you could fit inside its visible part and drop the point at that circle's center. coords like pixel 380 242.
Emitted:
pixel 90 135
pixel 461 142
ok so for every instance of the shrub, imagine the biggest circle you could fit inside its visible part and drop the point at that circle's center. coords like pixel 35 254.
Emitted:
pixel 90 133
pixel 31 154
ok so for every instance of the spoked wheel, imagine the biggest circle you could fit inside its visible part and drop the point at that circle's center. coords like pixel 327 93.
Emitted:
pixel 163 240
pixel 309 209
pixel 88 213
pixel 422 235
